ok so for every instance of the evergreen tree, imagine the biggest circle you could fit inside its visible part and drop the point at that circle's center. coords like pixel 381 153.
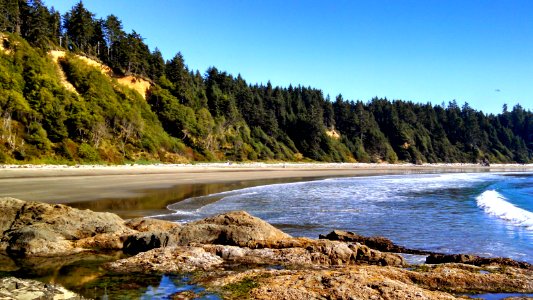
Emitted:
pixel 80 26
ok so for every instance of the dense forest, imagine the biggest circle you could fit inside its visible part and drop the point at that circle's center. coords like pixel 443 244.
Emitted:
pixel 189 116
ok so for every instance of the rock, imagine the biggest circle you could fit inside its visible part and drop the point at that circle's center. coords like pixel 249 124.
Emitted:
pixel 69 222
pixel 353 282
pixel 168 260
pixel 435 258
pixel 145 241
pixel 31 241
pixel 9 208
pixel 234 228
pixel 386 245
pixel 148 225
pixel 310 253
pixel 7 264
pixel 461 278
pixel 14 288
pixel 104 241
pixel 367 282
pixel 39 229
pixel 317 253
pixel 366 254
pixel 376 242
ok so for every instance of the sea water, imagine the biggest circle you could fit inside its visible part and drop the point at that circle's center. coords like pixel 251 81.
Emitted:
pixel 486 214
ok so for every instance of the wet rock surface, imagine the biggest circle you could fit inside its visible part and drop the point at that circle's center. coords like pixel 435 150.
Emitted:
pixel 14 288
pixel 241 256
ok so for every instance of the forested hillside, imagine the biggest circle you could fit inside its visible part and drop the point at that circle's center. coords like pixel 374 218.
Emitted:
pixel 72 111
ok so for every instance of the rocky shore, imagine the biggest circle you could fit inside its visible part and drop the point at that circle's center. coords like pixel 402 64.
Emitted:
pixel 240 256
pixel 15 288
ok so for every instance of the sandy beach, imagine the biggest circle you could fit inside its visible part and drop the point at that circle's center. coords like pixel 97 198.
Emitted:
pixel 70 184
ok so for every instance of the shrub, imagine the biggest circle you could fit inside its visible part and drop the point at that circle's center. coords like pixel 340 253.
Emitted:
pixel 87 153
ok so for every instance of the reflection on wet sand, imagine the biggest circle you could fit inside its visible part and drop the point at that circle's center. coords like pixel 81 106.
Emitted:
pixel 155 201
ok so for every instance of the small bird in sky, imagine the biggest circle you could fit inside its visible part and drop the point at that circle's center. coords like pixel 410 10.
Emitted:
pixel 497 90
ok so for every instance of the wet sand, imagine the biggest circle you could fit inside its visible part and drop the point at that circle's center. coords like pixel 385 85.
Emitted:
pixel 146 189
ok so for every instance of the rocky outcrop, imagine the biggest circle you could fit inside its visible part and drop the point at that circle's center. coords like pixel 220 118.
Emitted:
pixel 386 245
pixel 435 258
pixel 39 229
pixel 461 278
pixel 367 282
pixel 242 256
pixel 177 259
pixel 209 257
pixel 360 282
pixel 14 288
pixel 374 242
pixel 234 228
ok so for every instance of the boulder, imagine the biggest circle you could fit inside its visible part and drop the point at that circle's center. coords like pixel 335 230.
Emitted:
pixel 66 221
pixel 40 229
pixel 234 228
pixel 14 288
pixel 31 241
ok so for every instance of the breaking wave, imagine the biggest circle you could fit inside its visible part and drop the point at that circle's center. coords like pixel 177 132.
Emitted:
pixel 496 205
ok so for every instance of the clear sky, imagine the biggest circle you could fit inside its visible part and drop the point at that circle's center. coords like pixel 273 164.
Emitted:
pixel 480 52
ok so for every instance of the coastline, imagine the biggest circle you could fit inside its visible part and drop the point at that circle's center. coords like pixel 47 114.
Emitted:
pixel 469 274
pixel 82 183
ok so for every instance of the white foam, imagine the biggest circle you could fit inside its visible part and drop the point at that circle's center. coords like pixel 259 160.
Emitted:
pixel 496 205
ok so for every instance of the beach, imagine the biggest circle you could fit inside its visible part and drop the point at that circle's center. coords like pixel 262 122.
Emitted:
pixel 81 183
pixel 423 207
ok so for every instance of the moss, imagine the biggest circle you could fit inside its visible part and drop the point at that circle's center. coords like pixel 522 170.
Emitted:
pixel 241 289
pixel 422 268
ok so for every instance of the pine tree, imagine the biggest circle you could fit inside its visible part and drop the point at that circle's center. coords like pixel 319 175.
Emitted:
pixel 80 27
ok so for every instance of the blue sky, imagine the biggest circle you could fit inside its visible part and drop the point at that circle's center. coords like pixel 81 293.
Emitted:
pixel 480 52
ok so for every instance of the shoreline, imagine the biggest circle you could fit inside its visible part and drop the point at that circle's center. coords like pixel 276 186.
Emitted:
pixel 26 170
pixel 482 275
pixel 82 183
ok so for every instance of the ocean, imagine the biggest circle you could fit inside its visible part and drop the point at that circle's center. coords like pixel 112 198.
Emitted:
pixel 486 214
